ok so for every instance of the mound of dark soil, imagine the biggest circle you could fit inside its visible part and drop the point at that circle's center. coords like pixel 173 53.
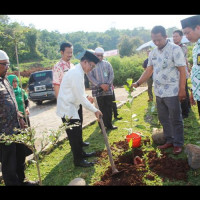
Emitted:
pixel 132 175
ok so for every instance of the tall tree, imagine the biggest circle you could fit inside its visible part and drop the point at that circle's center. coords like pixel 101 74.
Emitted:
pixel 4 19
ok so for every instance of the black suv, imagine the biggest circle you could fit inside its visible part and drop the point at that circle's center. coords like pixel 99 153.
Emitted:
pixel 40 86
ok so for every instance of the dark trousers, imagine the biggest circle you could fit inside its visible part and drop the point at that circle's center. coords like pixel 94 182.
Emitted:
pixel 13 163
pixel 169 114
pixel 27 120
pixel 185 104
pixel 198 104
pixel 150 84
pixel 114 105
pixel 105 106
pixel 75 137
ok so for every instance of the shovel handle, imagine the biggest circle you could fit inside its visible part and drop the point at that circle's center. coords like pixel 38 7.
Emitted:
pixel 114 170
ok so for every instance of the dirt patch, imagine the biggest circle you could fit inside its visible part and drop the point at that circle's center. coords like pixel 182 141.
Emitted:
pixel 132 175
pixel 167 167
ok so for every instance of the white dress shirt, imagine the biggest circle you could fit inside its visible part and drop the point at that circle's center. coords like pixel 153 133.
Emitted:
pixel 72 94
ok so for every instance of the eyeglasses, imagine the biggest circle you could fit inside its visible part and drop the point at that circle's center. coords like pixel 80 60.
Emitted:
pixel 92 66
pixel 5 64
pixel 99 55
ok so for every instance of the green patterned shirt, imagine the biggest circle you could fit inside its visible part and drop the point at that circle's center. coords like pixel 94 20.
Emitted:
pixel 195 73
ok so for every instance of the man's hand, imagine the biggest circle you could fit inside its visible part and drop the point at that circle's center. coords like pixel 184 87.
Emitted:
pixel 91 99
pixel 22 123
pixel 182 94
pixel 27 111
pixel 192 101
pixel 134 85
pixel 98 114
pixel 105 87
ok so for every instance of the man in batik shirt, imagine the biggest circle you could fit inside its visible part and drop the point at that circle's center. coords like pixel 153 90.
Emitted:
pixel 185 104
pixel 12 157
pixel 62 66
pixel 167 63
pixel 191 29
pixel 101 78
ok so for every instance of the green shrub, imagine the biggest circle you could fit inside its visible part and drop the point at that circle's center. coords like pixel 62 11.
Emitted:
pixel 126 67
pixel 24 81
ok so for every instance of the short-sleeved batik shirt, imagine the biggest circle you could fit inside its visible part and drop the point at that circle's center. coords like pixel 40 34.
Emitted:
pixel 59 69
pixel 195 73
pixel 165 72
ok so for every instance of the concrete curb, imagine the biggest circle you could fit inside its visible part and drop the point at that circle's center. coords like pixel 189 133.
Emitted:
pixel 29 158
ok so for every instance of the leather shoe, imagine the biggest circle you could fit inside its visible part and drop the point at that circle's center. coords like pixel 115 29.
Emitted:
pixel 177 150
pixel 118 118
pixel 165 146
pixel 86 155
pixel 112 128
pixel 85 144
pixel 30 183
pixel 84 163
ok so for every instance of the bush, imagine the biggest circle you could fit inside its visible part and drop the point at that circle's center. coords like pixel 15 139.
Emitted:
pixel 24 81
pixel 126 67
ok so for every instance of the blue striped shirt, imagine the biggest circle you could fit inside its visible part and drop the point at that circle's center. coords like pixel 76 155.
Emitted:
pixel 101 74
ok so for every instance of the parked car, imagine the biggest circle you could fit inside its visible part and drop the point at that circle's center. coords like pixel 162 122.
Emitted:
pixel 40 86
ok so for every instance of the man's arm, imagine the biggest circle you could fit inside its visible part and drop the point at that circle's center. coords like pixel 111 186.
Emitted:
pixel 56 90
pixel 182 82
pixel 144 77
pixel 111 75
pixel 92 78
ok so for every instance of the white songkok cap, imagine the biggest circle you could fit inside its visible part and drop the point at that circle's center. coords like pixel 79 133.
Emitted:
pixel 3 55
pixel 99 50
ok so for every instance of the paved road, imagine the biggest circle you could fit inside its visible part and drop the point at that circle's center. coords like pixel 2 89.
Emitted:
pixel 44 119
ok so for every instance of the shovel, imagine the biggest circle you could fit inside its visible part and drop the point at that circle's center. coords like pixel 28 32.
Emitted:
pixel 114 169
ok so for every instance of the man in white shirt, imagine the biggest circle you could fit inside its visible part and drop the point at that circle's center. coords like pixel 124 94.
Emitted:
pixel 60 68
pixel 71 95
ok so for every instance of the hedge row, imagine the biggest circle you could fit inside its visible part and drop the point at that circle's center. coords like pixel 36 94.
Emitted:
pixel 126 67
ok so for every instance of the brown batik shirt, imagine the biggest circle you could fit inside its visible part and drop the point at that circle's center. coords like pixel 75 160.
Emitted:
pixel 8 108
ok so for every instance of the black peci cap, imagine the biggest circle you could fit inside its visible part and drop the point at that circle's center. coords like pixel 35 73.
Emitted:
pixel 190 21
pixel 91 57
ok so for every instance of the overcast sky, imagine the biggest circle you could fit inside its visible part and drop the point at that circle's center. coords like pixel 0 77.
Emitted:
pixel 97 23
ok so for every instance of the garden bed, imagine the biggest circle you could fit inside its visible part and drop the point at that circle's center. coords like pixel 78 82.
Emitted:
pixel 133 175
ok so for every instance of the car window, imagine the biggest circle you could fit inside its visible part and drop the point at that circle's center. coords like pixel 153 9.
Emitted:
pixel 42 77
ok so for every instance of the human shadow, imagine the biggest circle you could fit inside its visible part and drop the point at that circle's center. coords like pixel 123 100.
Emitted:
pixel 65 171
pixel 191 128
pixel 151 115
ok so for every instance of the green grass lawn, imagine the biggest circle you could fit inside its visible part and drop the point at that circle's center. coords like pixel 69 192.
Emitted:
pixel 57 168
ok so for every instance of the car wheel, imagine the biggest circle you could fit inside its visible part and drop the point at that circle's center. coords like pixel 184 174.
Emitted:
pixel 39 102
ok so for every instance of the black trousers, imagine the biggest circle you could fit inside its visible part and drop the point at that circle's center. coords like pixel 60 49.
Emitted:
pixel 114 105
pixel 75 137
pixel 12 158
pixel 105 106
pixel 198 104
pixel 185 104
